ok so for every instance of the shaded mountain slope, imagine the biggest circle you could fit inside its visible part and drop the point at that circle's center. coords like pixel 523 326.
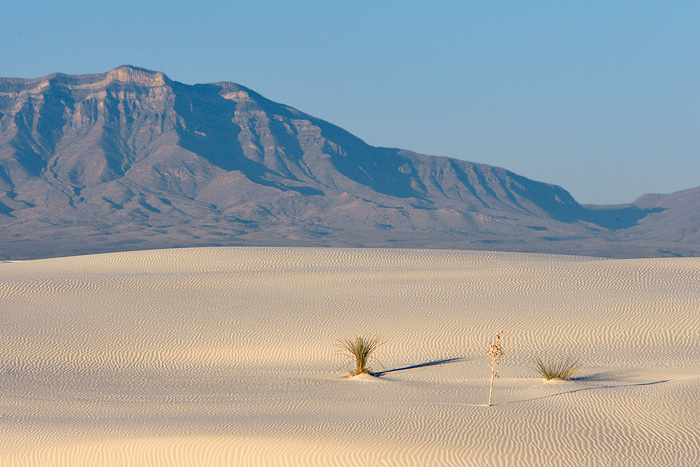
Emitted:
pixel 676 217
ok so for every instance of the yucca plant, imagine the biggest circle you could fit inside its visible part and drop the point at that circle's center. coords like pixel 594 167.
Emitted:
pixel 562 369
pixel 360 350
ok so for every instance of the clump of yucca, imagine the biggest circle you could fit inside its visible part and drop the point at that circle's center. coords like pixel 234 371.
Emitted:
pixel 562 369
pixel 496 353
pixel 360 350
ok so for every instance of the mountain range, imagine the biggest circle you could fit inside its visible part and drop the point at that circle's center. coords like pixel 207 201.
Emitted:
pixel 130 159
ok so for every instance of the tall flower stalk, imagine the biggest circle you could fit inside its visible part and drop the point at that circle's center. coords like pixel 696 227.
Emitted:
pixel 496 353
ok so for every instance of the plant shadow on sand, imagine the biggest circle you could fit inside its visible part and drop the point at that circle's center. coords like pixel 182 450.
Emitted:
pixel 614 383
pixel 608 376
pixel 422 365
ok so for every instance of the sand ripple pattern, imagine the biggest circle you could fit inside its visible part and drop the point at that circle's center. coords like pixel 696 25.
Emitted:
pixel 225 356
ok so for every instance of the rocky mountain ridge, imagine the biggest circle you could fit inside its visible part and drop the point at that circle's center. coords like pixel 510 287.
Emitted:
pixel 130 159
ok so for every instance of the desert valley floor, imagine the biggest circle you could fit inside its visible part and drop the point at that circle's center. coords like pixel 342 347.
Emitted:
pixel 228 356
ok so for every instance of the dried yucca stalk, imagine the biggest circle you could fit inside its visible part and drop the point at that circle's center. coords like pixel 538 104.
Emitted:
pixel 496 353
pixel 360 350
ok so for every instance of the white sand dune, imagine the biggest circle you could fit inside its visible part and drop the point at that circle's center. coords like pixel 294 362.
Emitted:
pixel 227 356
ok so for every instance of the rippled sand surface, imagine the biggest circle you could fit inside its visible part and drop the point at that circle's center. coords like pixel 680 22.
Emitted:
pixel 227 356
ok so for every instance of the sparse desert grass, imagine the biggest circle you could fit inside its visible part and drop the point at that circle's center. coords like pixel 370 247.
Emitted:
pixel 562 369
pixel 360 350
pixel 496 353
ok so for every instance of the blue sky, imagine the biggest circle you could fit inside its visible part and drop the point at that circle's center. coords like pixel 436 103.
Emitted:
pixel 602 98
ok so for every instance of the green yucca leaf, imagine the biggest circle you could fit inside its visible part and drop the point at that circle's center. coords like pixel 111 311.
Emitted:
pixel 360 350
pixel 562 369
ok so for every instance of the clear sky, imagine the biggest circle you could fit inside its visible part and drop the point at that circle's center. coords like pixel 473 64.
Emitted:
pixel 602 98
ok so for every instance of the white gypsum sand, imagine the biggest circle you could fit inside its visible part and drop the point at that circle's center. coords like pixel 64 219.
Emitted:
pixel 228 356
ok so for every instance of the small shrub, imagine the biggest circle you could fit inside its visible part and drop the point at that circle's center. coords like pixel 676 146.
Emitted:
pixel 360 350
pixel 562 369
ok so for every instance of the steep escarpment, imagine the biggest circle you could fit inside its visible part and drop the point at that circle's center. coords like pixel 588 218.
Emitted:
pixel 130 159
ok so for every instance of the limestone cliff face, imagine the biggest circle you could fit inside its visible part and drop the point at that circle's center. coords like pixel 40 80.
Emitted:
pixel 131 159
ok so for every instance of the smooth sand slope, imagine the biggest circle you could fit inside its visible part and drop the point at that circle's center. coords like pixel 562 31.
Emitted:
pixel 226 356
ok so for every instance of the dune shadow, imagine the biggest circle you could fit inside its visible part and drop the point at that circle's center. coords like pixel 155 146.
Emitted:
pixel 422 365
